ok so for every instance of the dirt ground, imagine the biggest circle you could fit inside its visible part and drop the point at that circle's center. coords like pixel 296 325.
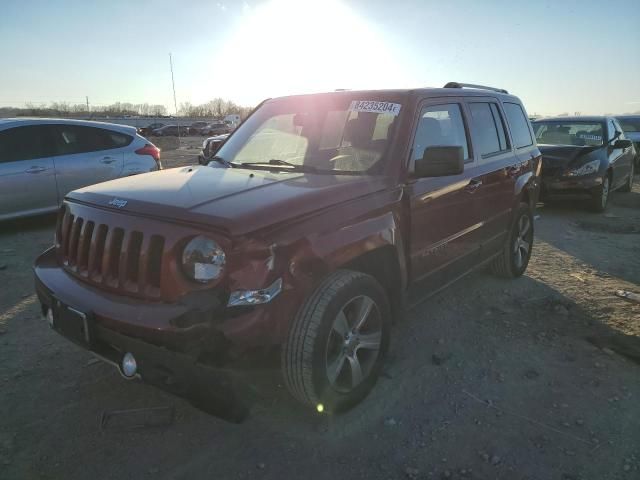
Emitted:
pixel 490 379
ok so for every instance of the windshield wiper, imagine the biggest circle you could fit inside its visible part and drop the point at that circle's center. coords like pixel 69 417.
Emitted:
pixel 221 160
pixel 283 163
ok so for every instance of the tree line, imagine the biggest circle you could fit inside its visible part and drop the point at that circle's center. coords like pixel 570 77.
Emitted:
pixel 216 108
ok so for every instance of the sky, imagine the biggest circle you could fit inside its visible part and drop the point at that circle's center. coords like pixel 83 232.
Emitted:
pixel 568 56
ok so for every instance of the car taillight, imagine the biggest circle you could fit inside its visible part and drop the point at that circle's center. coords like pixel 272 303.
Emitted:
pixel 152 150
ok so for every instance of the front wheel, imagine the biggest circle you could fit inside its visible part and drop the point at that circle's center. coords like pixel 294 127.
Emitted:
pixel 600 197
pixel 337 343
pixel 514 258
pixel 626 188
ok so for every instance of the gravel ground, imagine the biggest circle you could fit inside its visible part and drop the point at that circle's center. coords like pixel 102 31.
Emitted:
pixel 530 379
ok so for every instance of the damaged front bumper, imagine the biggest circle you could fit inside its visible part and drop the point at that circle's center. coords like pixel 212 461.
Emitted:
pixel 171 349
pixel 570 188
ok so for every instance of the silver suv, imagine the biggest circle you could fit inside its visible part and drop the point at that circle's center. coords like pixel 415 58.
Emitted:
pixel 41 160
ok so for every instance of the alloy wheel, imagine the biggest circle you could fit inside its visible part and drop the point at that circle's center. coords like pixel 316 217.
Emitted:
pixel 605 191
pixel 354 343
pixel 522 243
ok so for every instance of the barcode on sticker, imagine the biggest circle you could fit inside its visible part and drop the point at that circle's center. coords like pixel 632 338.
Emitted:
pixel 596 138
pixel 372 106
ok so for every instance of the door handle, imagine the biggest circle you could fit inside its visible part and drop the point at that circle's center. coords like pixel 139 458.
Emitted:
pixel 473 185
pixel 108 160
pixel 35 169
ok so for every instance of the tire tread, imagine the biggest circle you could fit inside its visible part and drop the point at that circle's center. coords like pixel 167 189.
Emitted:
pixel 297 353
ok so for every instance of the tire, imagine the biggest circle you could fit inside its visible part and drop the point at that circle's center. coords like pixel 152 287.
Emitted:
pixel 514 258
pixel 626 188
pixel 601 195
pixel 320 353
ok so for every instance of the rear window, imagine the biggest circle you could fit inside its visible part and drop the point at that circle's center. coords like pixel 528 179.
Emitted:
pixel 488 128
pixel 519 125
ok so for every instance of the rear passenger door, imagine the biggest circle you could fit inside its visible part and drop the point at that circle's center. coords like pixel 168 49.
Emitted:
pixel 496 161
pixel 444 236
pixel 27 175
pixel 86 155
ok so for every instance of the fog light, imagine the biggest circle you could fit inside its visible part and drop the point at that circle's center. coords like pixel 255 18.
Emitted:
pixel 129 365
pixel 255 297
pixel 49 317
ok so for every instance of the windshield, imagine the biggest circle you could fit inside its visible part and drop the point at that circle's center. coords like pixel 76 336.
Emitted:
pixel 578 134
pixel 321 133
pixel 630 124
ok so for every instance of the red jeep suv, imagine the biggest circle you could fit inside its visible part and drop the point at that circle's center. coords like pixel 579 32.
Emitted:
pixel 319 219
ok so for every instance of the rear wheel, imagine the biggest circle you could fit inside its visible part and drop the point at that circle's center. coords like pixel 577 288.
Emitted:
pixel 337 342
pixel 514 258
pixel 629 184
pixel 600 197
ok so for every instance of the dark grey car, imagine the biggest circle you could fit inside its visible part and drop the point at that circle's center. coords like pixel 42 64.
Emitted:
pixel 584 157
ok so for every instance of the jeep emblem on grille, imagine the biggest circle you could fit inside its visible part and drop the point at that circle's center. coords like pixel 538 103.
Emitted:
pixel 118 203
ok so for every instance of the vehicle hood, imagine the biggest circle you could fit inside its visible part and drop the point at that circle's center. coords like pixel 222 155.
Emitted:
pixel 563 156
pixel 237 201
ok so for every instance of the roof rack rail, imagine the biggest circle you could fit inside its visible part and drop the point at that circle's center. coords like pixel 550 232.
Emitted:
pixel 471 85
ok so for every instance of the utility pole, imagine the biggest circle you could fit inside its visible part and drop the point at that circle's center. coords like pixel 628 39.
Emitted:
pixel 87 97
pixel 173 84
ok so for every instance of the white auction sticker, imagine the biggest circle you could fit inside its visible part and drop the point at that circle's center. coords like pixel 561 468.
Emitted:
pixel 372 106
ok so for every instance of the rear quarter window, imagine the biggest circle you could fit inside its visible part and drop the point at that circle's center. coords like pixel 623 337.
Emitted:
pixel 117 139
pixel 519 125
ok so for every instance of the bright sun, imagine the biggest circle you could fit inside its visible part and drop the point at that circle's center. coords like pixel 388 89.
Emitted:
pixel 287 46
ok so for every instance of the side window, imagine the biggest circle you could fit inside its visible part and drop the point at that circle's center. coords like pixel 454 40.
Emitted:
pixel 440 125
pixel 499 121
pixel 612 130
pixel 519 125
pixel 24 143
pixel 619 129
pixel 488 128
pixel 116 139
pixel 72 139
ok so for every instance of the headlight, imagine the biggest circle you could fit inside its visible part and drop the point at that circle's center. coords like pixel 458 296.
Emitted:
pixel 586 169
pixel 203 260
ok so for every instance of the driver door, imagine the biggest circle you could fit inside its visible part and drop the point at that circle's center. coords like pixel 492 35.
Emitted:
pixel 444 233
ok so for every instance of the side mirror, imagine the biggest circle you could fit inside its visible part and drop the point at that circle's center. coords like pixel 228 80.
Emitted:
pixel 622 144
pixel 440 161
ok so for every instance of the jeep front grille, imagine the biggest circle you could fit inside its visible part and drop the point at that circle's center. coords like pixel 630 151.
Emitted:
pixel 103 254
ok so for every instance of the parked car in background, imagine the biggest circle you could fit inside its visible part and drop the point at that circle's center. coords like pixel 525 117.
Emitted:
pixel 196 128
pixel 631 126
pixel 334 211
pixel 584 157
pixel 171 131
pixel 148 130
pixel 41 160
pixel 216 128
pixel 233 120
pixel 209 148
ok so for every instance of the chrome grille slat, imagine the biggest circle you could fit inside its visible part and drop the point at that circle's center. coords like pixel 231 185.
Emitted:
pixel 123 260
